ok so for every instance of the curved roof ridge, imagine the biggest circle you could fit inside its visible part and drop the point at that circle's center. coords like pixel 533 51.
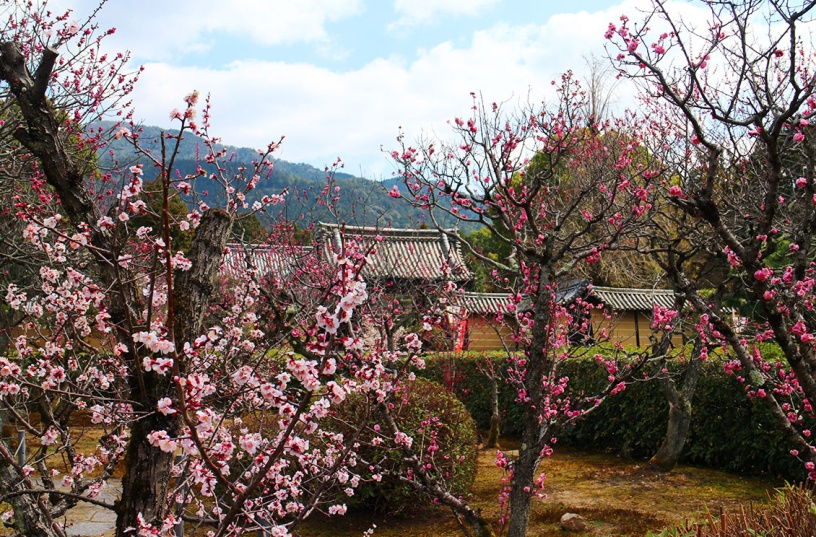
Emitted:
pixel 432 232
pixel 633 289
pixel 632 299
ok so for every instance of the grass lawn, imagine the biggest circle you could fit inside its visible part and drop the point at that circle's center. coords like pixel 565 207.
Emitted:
pixel 618 497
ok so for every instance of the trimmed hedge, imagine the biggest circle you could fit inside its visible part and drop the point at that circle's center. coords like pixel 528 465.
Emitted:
pixel 459 373
pixel 729 431
pixel 423 411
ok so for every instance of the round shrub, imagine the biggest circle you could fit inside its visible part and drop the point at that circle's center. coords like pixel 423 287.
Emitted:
pixel 442 433
pixel 464 375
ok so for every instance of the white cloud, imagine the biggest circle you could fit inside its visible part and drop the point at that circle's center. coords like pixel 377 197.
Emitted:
pixel 326 114
pixel 163 29
pixel 413 12
pixel 275 22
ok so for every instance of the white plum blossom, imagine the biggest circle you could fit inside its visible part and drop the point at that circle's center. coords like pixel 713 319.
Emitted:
pixel 159 365
pixel 49 437
pixel 337 509
pixel 163 441
pixel 165 406
pixel 14 297
pixel 122 132
pixel 97 414
pixel 250 442
pixel 327 321
pixel 194 218
pixel 242 376
pixel 178 261
pixel 105 222
pixel 155 343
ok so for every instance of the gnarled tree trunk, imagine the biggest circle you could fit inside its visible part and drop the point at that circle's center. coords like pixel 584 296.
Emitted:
pixel 677 429
pixel 32 517
pixel 680 407
pixel 148 470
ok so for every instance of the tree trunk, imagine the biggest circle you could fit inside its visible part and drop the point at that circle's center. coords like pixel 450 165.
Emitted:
pixel 31 516
pixel 677 429
pixel 146 480
pixel 495 422
pixel 680 406
pixel 520 493
pixel 193 287
pixel 148 469
pixel 535 434
pixel 147 473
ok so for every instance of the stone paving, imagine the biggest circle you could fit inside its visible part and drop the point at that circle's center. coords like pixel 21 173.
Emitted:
pixel 88 520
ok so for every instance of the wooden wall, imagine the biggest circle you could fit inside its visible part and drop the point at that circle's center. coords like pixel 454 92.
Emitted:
pixel 484 335
pixel 630 328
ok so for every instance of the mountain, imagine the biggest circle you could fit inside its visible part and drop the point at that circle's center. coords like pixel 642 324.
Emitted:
pixel 360 201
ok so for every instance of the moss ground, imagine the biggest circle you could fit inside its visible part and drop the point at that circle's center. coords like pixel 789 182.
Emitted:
pixel 618 497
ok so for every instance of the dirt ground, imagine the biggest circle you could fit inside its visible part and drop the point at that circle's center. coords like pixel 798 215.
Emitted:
pixel 617 497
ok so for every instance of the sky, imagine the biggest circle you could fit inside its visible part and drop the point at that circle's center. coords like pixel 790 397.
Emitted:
pixel 339 78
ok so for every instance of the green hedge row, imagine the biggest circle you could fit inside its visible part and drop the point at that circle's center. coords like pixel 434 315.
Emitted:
pixel 729 431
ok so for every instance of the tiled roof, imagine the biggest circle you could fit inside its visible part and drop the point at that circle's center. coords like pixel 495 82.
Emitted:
pixel 401 254
pixel 633 299
pixel 568 291
pixel 279 260
pixel 483 303
pixel 491 303
pixel 617 299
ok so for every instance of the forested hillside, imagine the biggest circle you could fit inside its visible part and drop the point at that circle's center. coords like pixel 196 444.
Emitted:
pixel 359 201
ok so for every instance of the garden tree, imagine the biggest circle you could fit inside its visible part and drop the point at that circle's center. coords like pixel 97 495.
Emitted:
pixel 209 425
pixel 600 84
pixel 382 426
pixel 248 228
pixel 680 400
pixel 670 242
pixel 732 99
pixel 151 213
pixel 623 266
pixel 483 241
pixel 551 226
pixel 670 245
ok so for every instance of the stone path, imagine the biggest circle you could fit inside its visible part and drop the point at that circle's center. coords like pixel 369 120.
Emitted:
pixel 88 520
